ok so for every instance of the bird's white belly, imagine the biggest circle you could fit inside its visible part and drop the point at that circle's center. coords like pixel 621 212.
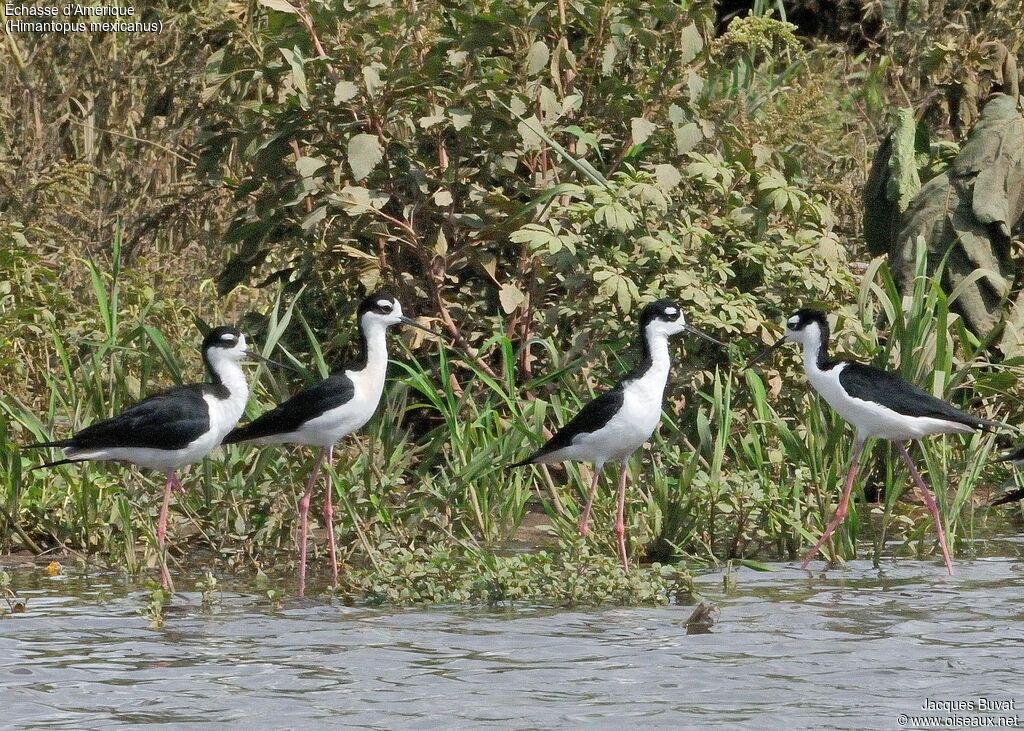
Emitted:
pixel 157 459
pixel 871 419
pixel 333 425
pixel 622 435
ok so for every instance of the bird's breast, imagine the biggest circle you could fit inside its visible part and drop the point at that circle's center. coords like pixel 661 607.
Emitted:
pixel 641 410
pixel 224 413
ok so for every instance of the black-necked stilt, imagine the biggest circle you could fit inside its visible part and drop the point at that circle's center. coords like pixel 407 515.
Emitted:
pixel 319 416
pixel 877 404
pixel 172 429
pixel 616 423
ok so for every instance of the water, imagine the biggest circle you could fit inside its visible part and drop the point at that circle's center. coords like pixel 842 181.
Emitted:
pixel 848 648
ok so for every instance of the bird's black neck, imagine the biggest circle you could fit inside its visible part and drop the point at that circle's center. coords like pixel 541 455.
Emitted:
pixel 817 352
pixel 372 347
pixel 226 376
pixel 644 362
pixel 214 375
pixel 364 348
pixel 654 358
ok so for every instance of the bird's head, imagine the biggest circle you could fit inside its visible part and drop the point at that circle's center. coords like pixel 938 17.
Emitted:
pixel 664 318
pixel 224 343
pixel 805 326
pixel 382 309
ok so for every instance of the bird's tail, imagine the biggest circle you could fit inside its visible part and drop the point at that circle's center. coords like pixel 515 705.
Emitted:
pixel 990 425
pixel 520 463
pixel 256 429
pixel 70 460
pixel 61 443
pixel 239 434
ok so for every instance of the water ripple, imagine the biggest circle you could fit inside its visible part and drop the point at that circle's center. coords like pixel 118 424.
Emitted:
pixel 848 648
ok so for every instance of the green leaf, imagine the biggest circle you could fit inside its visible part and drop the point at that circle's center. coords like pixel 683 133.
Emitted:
pixel 537 58
pixel 538 237
pixel 281 6
pixel 668 176
pixel 687 137
pixel 344 90
pixel 294 59
pixel 642 129
pixel 371 78
pixel 530 130
pixel 615 216
pixel 364 152
pixel 582 166
pixel 608 58
pixel 690 43
pixel 356 200
pixel 308 165
pixel 461 118
pixel 510 297
pixel 903 182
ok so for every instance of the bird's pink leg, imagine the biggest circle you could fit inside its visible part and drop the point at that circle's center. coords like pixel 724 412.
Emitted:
pixel 329 520
pixel 304 519
pixel 930 502
pixel 844 504
pixel 620 518
pixel 176 485
pixel 585 517
pixel 161 530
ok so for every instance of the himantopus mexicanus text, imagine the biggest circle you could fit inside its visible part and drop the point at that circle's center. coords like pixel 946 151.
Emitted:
pixel 616 423
pixel 320 415
pixel 877 404
pixel 172 429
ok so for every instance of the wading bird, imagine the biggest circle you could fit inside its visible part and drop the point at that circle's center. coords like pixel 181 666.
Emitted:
pixel 877 404
pixel 320 415
pixel 616 423
pixel 172 429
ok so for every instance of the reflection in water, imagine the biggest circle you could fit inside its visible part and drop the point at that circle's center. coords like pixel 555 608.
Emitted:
pixel 850 648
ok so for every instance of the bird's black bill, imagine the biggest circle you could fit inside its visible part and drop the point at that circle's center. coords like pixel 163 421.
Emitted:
pixel 694 331
pixel 256 356
pixel 412 323
pixel 765 353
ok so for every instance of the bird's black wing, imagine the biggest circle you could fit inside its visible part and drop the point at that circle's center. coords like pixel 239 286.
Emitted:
pixel 591 417
pixel 168 420
pixel 889 390
pixel 309 403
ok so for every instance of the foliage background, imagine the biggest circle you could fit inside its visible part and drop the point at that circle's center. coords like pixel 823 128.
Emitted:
pixel 524 175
